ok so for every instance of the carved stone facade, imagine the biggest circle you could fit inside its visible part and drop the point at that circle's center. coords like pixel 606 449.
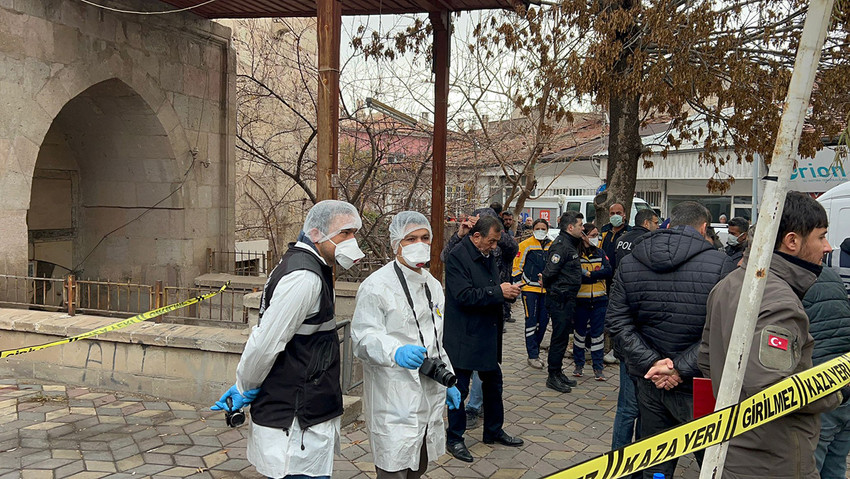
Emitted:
pixel 117 140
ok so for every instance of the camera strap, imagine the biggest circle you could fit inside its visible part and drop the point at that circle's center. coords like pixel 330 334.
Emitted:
pixel 403 282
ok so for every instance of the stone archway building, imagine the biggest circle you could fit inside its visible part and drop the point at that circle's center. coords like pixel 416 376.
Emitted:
pixel 107 116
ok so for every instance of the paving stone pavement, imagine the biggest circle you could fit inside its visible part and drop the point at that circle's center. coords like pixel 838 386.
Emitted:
pixel 54 431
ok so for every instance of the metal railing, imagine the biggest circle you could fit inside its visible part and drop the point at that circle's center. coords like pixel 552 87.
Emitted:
pixel 225 307
pixel 240 263
pixel 108 298
pixel 41 293
pixel 347 374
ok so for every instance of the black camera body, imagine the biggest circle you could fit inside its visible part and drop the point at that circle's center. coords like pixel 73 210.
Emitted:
pixel 233 418
pixel 437 370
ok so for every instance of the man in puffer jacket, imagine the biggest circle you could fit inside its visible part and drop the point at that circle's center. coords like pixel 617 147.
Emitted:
pixel 828 309
pixel 656 315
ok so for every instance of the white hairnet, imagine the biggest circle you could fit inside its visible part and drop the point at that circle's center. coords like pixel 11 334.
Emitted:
pixel 328 218
pixel 405 222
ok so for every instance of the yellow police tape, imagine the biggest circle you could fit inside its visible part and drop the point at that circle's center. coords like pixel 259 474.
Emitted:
pixel 782 398
pixel 120 324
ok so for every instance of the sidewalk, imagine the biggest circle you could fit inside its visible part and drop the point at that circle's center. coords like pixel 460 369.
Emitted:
pixel 53 431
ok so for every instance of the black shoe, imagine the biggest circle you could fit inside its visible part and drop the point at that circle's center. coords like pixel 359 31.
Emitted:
pixel 459 451
pixel 569 382
pixel 505 440
pixel 554 382
pixel 471 419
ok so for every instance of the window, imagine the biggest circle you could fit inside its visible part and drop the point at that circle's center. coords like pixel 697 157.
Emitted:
pixel 395 158
pixel 574 206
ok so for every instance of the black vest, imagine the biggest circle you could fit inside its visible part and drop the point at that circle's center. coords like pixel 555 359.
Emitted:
pixel 304 380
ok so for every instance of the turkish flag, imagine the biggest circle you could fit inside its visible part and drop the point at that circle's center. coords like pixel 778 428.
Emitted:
pixel 777 342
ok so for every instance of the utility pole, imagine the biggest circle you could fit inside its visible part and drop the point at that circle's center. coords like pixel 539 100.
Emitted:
pixel 777 182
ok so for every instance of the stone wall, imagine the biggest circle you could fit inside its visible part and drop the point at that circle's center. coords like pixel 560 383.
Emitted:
pixel 138 114
pixel 186 363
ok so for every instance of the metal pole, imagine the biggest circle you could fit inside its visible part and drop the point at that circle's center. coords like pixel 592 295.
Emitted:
pixel 779 177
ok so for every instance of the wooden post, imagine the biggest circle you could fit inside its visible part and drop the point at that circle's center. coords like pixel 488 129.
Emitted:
pixel 269 262
pixel 71 293
pixel 157 299
pixel 329 24
pixel 441 23
pixel 770 213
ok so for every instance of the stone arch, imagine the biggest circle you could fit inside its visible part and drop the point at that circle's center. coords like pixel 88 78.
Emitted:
pixel 117 158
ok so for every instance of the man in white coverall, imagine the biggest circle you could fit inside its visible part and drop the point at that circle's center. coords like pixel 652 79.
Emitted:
pixel 398 322
pixel 291 360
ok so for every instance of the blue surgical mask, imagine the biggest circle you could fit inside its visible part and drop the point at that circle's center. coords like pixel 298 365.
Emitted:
pixel 616 221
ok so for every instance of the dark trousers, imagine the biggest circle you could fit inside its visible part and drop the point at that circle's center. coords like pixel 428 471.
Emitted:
pixel 536 320
pixel 659 410
pixel 562 313
pixel 590 328
pixel 494 412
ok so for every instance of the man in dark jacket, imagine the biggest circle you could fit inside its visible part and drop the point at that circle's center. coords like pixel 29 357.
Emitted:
pixel 840 261
pixel 610 234
pixel 829 324
pixel 473 331
pixel 562 280
pixel 656 314
pixel 646 221
pixel 781 346
pixel 736 243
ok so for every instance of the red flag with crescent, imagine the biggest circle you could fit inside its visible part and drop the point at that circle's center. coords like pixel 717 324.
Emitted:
pixel 777 342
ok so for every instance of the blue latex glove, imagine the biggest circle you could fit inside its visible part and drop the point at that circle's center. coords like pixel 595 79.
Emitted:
pixel 410 356
pixel 239 400
pixel 453 397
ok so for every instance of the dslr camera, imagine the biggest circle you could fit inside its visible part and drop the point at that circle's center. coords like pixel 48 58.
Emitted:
pixel 437 370
pixel 233 418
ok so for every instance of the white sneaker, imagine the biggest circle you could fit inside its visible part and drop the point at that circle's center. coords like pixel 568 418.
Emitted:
pixel 610 359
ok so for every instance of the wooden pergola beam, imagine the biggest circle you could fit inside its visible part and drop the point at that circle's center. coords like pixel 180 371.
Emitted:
pixel 329 25
pixel 442 29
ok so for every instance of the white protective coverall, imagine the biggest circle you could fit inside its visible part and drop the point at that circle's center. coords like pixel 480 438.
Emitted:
pixel 275 452
pixel 399 404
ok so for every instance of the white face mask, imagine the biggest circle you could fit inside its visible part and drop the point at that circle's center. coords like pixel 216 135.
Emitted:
pixel 540 235
pixel 594 241
pixel 417 254
pixel 733 240
pixel 347 253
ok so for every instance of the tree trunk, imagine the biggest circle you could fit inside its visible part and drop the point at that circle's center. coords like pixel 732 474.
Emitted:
pixel 624 149
pixel 624 143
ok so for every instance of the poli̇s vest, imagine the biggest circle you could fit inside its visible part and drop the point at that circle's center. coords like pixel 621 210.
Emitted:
pixel 304 380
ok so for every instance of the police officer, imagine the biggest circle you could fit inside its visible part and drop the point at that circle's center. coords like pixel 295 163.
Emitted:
pixel 291 360
pixel 562 279
pixel 646 221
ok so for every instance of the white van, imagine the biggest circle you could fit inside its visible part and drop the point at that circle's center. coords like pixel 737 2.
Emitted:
pixel 551 208
pixel 836 202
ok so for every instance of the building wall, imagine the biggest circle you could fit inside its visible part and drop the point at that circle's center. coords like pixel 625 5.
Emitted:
pixel 121 110
pixel 281 54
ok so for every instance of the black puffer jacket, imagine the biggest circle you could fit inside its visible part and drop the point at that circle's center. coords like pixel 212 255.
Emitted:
pixel 829 316
pixel 656 308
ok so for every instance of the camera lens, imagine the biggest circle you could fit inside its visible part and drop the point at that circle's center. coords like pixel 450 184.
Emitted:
pixel 235 418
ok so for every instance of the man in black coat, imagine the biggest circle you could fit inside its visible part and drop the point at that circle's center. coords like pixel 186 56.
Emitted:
pixel 656 314
pixel 473 331
pixel 562 279
pixel 646 221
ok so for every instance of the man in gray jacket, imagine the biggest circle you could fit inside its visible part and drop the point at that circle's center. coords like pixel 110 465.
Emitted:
pixel 781 346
